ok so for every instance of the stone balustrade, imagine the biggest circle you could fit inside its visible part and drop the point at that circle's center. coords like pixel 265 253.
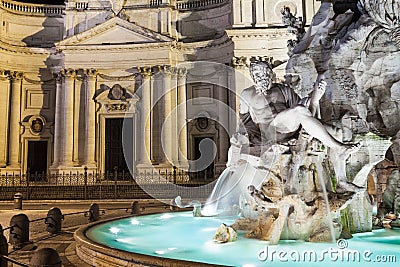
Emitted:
pixel 81 5
pixel 56 10
pixel 200 4
pixel 32 9
pixel 156 2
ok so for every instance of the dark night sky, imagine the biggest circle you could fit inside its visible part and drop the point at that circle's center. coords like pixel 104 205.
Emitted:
pixel 51 2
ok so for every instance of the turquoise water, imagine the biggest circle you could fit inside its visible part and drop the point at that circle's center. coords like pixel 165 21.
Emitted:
pixel 181 236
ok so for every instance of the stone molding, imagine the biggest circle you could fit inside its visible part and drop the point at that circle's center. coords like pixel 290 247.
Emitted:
pixel 24 49
pixel 259 32
pixel 90 73
pixel 122 47
pixel 118 78
pixel 31 81
pixel 201 45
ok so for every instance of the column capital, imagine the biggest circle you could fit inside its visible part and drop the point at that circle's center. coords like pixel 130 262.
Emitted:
pixel 165 69
pixel 3 74
pixel 146 72
pixel 239 62
pixel 58 77
pixel 68 72
pixel 182 72
pixel 15 75
pixel 90 72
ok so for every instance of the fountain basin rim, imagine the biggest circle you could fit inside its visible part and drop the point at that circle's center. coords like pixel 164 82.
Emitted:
pixel 95 254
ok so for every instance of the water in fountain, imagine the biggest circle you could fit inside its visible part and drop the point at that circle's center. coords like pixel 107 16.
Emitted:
pixel 230 191
pixel 328 209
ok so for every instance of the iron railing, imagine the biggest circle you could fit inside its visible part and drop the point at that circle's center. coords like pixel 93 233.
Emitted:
pixel 110 185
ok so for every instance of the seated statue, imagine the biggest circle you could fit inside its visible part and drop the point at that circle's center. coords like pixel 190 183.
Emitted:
pixel 272 113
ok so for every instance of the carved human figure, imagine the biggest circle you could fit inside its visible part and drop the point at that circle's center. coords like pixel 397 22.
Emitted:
pixel 295 25
pixel 278 113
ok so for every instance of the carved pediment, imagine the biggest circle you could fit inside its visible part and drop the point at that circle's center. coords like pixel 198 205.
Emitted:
pixel 115 31
pixel 116 99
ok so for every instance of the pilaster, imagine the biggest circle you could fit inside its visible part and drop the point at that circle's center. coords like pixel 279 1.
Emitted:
pixel 68 123
pixel 79 111
pixel 145 154
pixel 167 126
pixel 58 122
pixel 240 77
pixel 4 116
pixel 90 155
pixel 223 118
pixel 14 147
pixel 182 115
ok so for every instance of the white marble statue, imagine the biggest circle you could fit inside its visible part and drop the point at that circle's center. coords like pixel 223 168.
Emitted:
pixel 273 113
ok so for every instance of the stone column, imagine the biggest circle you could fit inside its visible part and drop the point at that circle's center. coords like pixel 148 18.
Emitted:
pixel 182 115
pixel 15 119
pixel 242 78
pixel 68 125
pixel 145 154
pixel 91 78
pixel 168 120
pixel 175 115
pixel 157 117
pixel 58 122
pixel 78 124
pixel 223 116
pixel 4 108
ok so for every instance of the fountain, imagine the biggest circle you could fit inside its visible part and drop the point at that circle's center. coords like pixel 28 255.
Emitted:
pixel 288 188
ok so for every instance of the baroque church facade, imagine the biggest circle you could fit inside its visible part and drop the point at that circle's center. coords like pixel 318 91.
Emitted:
pixel 74 76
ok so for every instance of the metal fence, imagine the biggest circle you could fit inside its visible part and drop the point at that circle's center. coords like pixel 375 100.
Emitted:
pixel 111 185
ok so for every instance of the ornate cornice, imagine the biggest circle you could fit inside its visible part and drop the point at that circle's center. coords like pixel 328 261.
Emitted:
pixel 124 47
pixel 24 49
pixel 220 42
pixel 258 33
